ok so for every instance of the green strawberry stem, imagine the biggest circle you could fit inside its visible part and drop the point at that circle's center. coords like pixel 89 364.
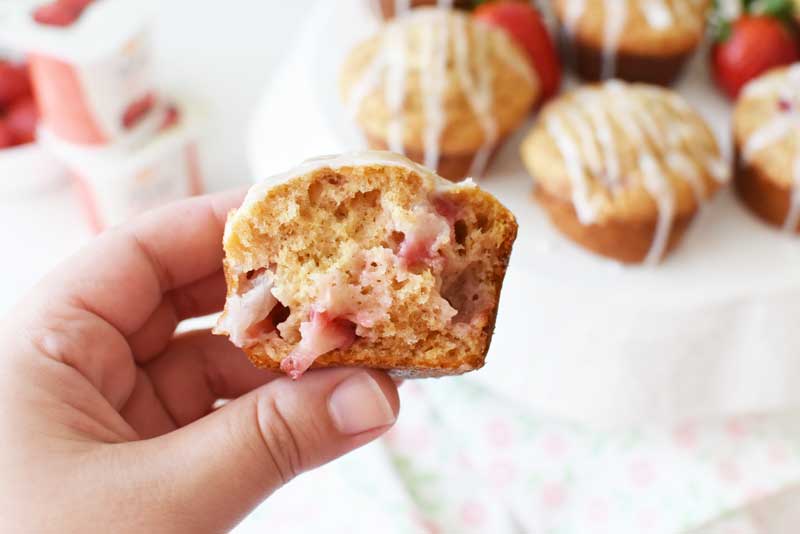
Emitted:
pixel 721 26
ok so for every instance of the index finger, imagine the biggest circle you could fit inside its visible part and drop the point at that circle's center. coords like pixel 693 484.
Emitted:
pixel 122 275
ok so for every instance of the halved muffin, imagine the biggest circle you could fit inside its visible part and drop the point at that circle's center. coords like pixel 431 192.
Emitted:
pixel 766 133
pixel 635 40
pixel 622 169
pixel 440 88
pixel 365 259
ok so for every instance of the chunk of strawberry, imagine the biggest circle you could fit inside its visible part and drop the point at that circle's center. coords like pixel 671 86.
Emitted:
pixel 7 137
pixel 22 118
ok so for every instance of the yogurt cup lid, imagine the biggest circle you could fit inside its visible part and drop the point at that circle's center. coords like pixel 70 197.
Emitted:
pixel 104 26
pixel 120 159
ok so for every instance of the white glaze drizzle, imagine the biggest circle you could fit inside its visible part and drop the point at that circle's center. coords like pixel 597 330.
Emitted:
pixel 574 13
pixel 772 132
pixel 478 91
pixel 395 86
pixel 584 207
pixel 359 158
pixel 661 190
pixel 471 57
pixel 599 122
pixel 662 146
pixel 657 14
pixel 435 46
pixel 616 14
pixel 785 88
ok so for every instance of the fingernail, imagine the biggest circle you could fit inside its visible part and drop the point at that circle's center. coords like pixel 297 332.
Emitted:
pixel 358 404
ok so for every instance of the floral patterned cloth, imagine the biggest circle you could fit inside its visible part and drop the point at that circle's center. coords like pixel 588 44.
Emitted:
pixel 466 459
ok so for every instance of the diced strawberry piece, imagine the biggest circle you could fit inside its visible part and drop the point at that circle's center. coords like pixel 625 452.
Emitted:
pixel 55 14
pixel 422 239
pixel 446 208
pixel 14 82
pixel 7 137
pixel 137 110
pixel 22 118
pixel 319 335
pixel 171 118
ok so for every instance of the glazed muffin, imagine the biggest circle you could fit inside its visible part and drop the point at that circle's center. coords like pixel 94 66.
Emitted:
pixel 440 88
pixel 766 133
pixel 365 259
pixel 392 8
pixel 635 40
pixel 622 169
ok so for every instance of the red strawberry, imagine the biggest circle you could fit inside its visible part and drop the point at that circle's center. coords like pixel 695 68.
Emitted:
pixel 137 110
pixel 525 25
pixel 76 5
pixel 171 117
pixel 7 138
pixel 22 118
pixel 755 45
pixel 55 14
pixel 14 82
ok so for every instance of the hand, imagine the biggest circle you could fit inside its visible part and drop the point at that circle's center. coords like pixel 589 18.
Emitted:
pixel 108 421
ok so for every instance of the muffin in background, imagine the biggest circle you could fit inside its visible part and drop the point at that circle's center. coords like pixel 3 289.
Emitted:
pixel 622 169
pixel 440 88
pixel 767 142
pixel 390 8
pixel 634 40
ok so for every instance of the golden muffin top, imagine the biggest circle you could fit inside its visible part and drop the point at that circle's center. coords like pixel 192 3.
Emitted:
pixel 437 81
pixel 766 124
pixel 624 151
pixel 648 27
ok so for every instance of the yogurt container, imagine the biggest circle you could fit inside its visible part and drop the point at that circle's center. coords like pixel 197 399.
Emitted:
pixel 93 77
pixel 115 183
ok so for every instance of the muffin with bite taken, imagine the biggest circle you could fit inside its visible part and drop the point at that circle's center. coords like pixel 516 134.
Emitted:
pixel 365 259
pixel 440 88
pixel 635 40
pixel 766 133
pixel 622 169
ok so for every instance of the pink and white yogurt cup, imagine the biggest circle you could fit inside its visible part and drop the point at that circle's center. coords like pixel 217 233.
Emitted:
pixel 92 73
pixel 116 183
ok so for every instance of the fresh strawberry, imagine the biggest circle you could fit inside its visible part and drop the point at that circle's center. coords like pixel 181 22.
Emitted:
pixel 14 82
pixel 55 14
pixel 171 117
pixel 22 118
pixel 7 137
pixel 526 26
pixel 754 44
pixel 137 110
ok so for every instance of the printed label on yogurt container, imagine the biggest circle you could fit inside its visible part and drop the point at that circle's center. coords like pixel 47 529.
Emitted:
pixel 101 102
pixel 173 177
pixel 118 89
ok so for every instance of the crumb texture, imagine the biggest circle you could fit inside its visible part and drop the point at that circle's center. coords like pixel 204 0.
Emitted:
pixel 366 265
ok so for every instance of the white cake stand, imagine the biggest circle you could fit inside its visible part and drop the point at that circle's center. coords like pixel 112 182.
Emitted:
pixel 713 330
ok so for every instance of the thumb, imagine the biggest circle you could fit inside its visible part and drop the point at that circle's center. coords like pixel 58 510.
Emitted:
pixel 214 471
